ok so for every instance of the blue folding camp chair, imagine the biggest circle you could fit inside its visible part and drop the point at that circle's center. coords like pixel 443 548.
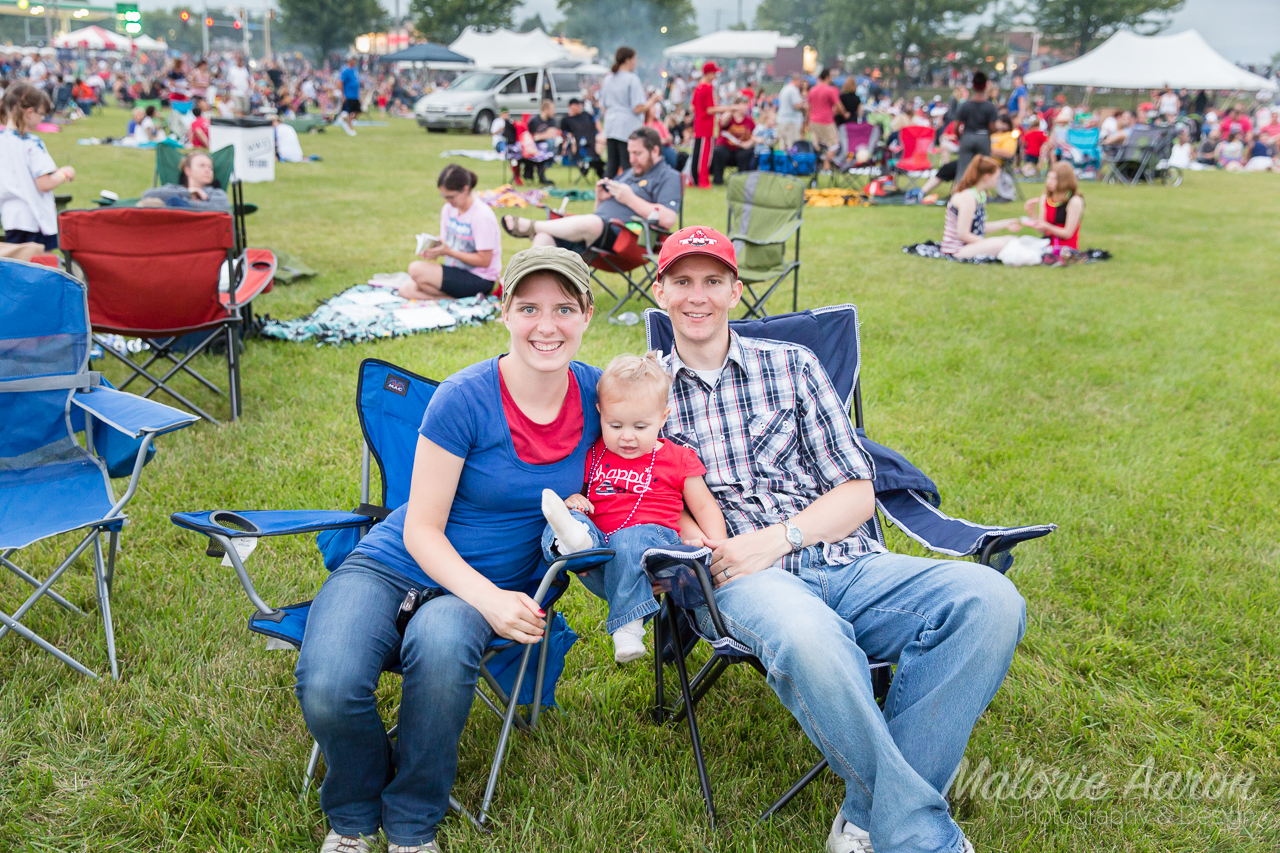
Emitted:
pixel 904 495
pixel 390 403
pixel 49 483
pixel 1083 148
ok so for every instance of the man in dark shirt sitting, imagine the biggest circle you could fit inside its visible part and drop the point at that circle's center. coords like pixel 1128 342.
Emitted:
pixel 542 128
pixel 649 190
pixel 580 137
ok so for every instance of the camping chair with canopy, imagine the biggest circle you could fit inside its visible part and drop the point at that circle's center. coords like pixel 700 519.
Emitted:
pixel 859 158
pixel 766 211
pixel 50 483
pixel 1083 148
pixel 162 274
pixel 905 496
pixel 390 405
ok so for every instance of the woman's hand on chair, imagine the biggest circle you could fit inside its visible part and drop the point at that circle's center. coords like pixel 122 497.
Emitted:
pixel 513 616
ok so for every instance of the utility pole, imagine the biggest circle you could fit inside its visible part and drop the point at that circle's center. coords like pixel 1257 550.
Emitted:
pixel 204 31
pixel 244 25
pixel 266 26
pixel 739 12
pixel 717 20
pixel 48 23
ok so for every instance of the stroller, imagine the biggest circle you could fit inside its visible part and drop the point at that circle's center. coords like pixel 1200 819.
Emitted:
pixel 1145 157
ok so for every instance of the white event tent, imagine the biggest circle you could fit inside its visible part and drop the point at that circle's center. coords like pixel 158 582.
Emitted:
pixel 504 48
pixel 733 44
pixel 1130 61
pixel 93 38
pixel 146 42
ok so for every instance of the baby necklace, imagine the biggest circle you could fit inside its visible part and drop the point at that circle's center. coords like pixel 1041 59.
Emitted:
pixel 648 477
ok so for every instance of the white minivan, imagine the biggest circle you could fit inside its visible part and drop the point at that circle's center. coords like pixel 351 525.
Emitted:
pixel 473 100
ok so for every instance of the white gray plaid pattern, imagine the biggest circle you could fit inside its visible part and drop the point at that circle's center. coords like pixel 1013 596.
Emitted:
pixel 773 435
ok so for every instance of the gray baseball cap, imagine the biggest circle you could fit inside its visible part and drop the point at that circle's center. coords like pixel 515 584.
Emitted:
pixel 545 259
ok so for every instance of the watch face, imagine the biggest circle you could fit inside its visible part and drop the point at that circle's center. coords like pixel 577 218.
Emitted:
pixel 794 536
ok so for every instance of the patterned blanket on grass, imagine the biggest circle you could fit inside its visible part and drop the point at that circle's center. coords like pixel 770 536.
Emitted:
pixel 1061 258
pixel 365 313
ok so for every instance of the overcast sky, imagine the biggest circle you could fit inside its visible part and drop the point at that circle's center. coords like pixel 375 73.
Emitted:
pixel 1241 30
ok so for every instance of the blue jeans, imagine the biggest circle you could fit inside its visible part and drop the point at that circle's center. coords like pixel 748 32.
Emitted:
pixel 621 581
pixel 951 627
pixel 351 634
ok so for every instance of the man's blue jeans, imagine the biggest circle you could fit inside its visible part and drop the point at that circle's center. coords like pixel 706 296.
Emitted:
pixel 951 627
pixel 351 633
pixel 621 581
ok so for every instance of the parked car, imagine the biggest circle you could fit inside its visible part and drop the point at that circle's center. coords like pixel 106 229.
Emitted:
pixel 473 100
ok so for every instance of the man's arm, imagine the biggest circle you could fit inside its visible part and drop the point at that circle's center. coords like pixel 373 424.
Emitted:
pixel 832 517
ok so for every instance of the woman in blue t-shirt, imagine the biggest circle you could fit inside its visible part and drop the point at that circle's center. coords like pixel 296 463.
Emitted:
pixel 494 436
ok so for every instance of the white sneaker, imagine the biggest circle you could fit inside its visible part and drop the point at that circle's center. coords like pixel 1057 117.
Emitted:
pixel 335 843
pixel 968 847
pixel 628 642
pixel 845 837
pixel 350 131
pixel 429 847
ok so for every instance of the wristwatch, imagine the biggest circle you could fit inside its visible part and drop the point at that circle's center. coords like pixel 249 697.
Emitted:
pixel 794 536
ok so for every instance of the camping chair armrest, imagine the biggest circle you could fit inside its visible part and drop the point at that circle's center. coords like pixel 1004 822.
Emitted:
pixel 782 235
pixel 254 270
pixel 254 524
pixel 917 516
pixel 257 524
pixel 130 414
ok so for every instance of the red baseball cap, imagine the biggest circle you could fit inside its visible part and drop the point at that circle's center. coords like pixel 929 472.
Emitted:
pixel 697 240
pixel 711 68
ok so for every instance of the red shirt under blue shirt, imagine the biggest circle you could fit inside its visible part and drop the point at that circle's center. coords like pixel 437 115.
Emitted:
pixel 617 486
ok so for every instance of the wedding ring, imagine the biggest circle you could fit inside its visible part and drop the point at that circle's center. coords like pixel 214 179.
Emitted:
pixel 728 573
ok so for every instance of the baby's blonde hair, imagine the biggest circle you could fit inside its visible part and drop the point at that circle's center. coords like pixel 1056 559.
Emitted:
pixel 630 375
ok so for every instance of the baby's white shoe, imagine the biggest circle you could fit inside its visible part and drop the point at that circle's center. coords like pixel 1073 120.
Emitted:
pixel 571 535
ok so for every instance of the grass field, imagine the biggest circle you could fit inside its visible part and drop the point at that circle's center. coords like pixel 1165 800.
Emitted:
pixel 1132 402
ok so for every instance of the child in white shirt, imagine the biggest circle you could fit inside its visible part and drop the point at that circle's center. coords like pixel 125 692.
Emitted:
pixel 28 174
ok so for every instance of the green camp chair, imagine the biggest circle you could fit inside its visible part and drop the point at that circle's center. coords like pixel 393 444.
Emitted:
pixel 764 215
pixel 168 171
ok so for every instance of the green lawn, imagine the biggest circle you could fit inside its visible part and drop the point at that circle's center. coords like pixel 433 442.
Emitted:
pixel 1132 402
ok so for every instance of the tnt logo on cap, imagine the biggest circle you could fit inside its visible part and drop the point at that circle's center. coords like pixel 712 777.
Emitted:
pixel 697 240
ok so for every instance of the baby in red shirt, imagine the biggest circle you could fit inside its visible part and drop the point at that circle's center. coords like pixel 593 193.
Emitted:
pixel 636 485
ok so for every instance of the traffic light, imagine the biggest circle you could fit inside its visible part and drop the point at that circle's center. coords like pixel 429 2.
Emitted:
pixel 208 22
pixel 185 16
pixel 235 24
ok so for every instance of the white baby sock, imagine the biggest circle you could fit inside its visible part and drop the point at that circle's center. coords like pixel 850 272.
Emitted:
pixel 628 642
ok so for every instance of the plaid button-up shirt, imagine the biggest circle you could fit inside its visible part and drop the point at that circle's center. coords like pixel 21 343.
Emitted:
pixel 774 436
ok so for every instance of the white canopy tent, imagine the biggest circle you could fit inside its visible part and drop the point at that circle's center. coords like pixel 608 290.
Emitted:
pixel 504 48
pixel 146 42
pixel 94 38
pixel 733 44
pixel 1130 61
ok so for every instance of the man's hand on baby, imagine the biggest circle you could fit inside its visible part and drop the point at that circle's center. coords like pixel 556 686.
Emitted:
pixel 580 503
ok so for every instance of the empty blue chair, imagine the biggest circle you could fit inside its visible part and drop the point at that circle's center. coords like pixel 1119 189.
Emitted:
pixel 390 404
pixel 50 484
pixel 1084 147
pixel 904 496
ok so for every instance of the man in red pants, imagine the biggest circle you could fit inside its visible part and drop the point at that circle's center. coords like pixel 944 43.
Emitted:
pixel 704 125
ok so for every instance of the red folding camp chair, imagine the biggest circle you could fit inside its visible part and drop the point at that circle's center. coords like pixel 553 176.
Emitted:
pixel 914 163
pixel 155 274
pixel 860 158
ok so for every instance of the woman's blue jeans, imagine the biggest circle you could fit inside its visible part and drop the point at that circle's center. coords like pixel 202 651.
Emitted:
pixel 351 635
pixel 621 581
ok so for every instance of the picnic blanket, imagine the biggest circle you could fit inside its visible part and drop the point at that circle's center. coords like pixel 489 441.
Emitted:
pixel 1060 258
pixel 508 196
pixel 571 194
pixel 474 153
pixel 367 312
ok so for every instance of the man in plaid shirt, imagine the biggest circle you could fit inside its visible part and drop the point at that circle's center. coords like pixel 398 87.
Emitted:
pixel 812 595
